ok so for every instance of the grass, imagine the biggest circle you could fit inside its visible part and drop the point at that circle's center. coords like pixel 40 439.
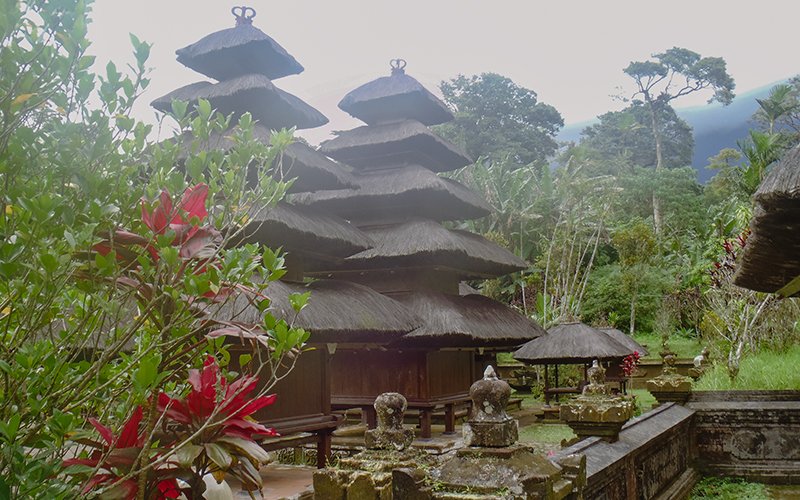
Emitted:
pixel 766 370
pixel 684 347
pixel 721 488
pixel 644 400
pixel 545 434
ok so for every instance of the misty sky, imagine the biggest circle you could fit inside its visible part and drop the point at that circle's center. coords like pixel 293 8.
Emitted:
pixel 570 52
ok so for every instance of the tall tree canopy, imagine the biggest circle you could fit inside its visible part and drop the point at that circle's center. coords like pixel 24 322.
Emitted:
pixel 628 135
pixel 670 75
pixel 497 118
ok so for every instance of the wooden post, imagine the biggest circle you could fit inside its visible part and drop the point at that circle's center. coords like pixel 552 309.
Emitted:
pixel 323 449
pixel 557 384
pixel 449 418
pixel 546 387
pixel 425 422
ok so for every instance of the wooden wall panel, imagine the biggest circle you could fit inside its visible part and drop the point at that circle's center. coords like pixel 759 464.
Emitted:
pixel 449 372
pixel 367 373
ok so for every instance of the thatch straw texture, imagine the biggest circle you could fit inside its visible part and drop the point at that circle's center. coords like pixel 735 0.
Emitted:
pixel 303 230
pixel 425 243
pixel 311 170
pixel 269 105
pixel 465 288
pixel 571 343
pixel 238 51
pixel 625 340
pixel 393 98
pixel 337 311
pixel 465 321
pixel 408 191
pixel 771 257
pixel 400 143
pixel 781 187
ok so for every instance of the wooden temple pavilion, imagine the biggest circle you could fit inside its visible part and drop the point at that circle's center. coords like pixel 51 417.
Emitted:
pixel 771 260
pixel 572 343
pixel 244 60
pixel 399 202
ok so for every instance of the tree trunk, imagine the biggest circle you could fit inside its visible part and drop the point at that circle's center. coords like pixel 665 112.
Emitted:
pixel 633 313
pixel 657 217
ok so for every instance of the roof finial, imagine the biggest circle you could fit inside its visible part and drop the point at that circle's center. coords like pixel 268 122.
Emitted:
pixel 398 66
pixel 243 15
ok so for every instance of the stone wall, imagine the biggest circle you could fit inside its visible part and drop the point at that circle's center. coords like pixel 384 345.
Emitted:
pixel 652 459
pixel 749 434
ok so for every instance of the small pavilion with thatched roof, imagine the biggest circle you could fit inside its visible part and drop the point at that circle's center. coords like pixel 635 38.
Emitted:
pixel 399 202
pixel 571 343
pixel 244 60
pixel 771 260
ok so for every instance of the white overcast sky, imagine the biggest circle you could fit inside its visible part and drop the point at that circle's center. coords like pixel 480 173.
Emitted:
pixel 570 52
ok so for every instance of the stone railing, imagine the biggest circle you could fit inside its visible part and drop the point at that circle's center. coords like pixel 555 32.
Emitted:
pixel 748 434
pixel 652 458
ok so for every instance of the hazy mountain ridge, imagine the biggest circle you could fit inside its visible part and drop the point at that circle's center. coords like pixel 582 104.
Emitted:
pixel 715 126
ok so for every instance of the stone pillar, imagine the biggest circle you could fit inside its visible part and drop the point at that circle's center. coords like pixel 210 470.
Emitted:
pixel 489 425
pixel 390 407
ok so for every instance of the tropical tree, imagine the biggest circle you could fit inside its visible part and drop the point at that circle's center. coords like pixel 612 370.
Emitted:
pixel 671 75
pixel 636 246
pixel 627 137
pixel 497 118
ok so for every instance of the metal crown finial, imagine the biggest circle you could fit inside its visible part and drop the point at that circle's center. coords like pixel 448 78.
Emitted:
pixel 398 66
pixel 243 15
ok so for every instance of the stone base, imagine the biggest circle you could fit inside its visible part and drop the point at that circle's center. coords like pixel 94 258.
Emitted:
pixel 366 475
pixel 388 439
pixel 601 416
pixel 491 434
pixel 508 472
pixel 670 388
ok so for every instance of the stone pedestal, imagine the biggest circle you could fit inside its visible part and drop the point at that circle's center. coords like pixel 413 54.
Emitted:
pixel 601 416
pixel 670 386
pixel 596 412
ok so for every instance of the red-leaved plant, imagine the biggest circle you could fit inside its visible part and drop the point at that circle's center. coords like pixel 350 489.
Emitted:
pixel 210 431
pixel 110 463
pixel 629 363
pixel 213 427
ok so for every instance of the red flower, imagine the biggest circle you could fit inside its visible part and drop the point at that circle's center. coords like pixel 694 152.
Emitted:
pixel 231 408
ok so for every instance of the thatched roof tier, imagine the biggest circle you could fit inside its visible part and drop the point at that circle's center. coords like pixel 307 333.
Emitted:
pixel 625 340
pixel 406 142
pixel 311 170
pixel 771 259
pixel 269 105
pixel 393 98
pixel 404 191
pixel 425 243
pixel 337 311
pixel 781 187
pixel 238 51
pixel 571 343
pixel 301 230
pixel 465 321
